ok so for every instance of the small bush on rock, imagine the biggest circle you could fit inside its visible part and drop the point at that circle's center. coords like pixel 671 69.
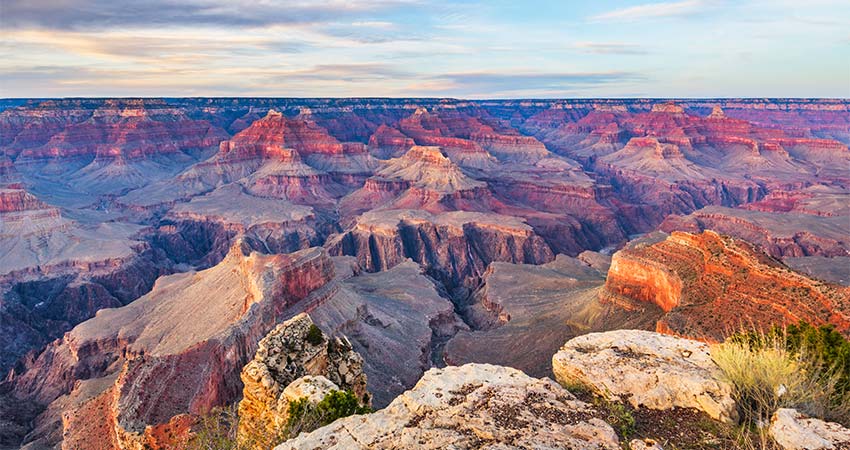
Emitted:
pixel 801 367
pixel 314 335
pixel 305 417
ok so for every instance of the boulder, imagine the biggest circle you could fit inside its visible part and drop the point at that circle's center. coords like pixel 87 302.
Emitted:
pixel 791 430
pixel 313 388
pixel 646 369
pixel 475 406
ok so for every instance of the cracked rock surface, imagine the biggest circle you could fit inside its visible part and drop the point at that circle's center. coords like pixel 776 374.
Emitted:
pixel 475 406
pixel 646 369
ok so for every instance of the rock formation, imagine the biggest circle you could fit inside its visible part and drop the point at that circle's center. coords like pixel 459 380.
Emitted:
pixel 469 407
pixel 452 246
pixel 708 286
pixel 804 229
pixel 648 370
pixel 281 369
pixel 794 431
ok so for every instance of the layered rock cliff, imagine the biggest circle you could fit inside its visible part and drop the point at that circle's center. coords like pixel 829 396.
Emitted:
pixel 707 286
pixel 453 247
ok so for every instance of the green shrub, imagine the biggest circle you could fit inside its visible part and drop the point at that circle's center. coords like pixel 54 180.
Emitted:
pixel 305 417
pixel 217 430
pixel 621 417
pixel 314 335
pixel 800 366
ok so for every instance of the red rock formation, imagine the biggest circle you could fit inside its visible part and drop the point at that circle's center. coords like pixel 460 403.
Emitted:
pixel 779 235
pixel 128 128
pixel 19 200
pixel 454 247
pixel 429 129
pixel 708 286
pixel 388 142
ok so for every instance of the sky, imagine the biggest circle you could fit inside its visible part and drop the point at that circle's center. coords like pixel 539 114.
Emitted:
pixel 425 48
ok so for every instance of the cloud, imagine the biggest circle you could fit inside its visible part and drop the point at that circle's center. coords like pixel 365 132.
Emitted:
pixel 493 84
pixel 610 48
pixel 351 73
pixel 652 11
pixel 106 14
pixel 370 32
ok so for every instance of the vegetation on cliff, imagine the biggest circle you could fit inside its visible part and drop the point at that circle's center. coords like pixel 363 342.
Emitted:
pixel 800 366
pixel 218 429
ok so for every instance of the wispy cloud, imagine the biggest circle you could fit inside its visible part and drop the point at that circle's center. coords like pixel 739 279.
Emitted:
pixel 422 47
pixel 106 14
pixel 355 73
pixel 651 11
pixel 610 48
pixel 515 84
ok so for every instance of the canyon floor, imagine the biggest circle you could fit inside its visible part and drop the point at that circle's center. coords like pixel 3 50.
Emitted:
pixel 147 246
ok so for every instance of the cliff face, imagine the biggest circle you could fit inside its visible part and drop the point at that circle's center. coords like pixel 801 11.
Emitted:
pixel 157 365
pixel 453 246
pixel 710 285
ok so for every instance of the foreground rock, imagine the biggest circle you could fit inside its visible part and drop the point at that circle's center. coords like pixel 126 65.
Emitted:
pixel 647 369
pixel 281 371
pixel 794 431
pixel 471 407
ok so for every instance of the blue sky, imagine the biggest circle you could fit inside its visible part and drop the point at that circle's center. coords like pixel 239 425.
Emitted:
pixel 406 48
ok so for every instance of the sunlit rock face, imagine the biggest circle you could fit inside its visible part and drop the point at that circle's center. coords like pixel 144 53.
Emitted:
pixel 704 282
pixel 465 408
pixel 295 360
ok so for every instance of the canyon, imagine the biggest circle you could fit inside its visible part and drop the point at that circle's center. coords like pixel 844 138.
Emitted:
pixel 148 246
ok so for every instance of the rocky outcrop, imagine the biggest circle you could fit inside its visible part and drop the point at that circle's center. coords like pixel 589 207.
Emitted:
pixel 648 370
pixel 708 285
pixel 794 431
pixel 469 407
pixel 279 373
pixel 805 230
